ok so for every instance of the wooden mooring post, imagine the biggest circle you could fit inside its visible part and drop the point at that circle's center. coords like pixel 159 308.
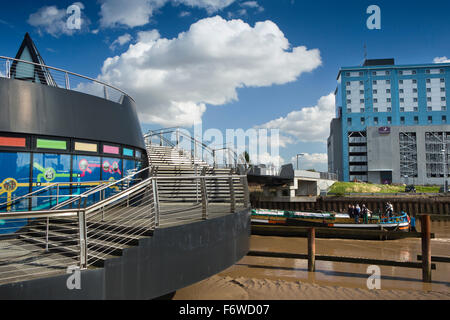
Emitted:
pixel 311 250
pixel 426 248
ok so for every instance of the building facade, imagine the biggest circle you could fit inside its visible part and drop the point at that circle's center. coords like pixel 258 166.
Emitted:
pixel 391 123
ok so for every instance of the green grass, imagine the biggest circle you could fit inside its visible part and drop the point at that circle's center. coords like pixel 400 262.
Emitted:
pixel 354 187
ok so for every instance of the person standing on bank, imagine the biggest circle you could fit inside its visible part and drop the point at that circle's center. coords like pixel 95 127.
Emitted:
pixel 357 212
pixel 365 214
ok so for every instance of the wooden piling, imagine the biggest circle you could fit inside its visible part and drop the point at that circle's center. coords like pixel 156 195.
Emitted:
pixel 426 248
pixel 311 250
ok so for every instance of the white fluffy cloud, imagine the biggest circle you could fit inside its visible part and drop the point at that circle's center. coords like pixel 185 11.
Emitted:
pixel 441 60
pixel 172 80
pixel 309 124
pixel 134 13
pixel 318 161
pixel 53 21
pixel 120 41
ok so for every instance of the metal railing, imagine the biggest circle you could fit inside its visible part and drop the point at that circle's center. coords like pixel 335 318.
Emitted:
pixel 193 149
pixel 12 68
pixel 86 234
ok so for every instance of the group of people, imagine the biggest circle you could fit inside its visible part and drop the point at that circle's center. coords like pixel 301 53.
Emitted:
pixel 355 211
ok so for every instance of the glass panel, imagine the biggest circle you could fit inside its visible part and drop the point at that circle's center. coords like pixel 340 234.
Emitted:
pixel 129 167
pixel 49 169
pixel 13 142
pixel 86 170
pixel 89 147
pixel 14 182
pixel 112 171
pixel 51 144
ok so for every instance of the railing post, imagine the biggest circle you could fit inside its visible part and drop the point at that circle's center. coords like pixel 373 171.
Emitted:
pixel 105 92
pixel 204 198
pixel 8 69
pixel 311 250
pixel 232 195
pixel 246 192
pixel 46 234
pixel 178 137
pixel 57 194
pixel 214 158
pixel 156 202
pixel 196 183
pixel 426 248
pixel 82 229
pixel 67 81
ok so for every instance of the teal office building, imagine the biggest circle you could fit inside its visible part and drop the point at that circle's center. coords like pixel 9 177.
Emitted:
pixel 391 123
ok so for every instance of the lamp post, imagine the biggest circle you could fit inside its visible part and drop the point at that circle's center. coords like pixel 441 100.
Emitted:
pixel 444 160
pixel 299 155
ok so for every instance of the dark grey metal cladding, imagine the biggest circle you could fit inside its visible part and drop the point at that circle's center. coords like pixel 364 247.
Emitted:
pixel 31 108
pixel 171 259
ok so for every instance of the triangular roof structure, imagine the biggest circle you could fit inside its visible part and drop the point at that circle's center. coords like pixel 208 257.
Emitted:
pixel 31 72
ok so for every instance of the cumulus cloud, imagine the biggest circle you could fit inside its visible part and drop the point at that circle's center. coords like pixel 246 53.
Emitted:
pixel 318 161
pixel 134 13
pixel 120 41
pixel 441 60
pixel 173 80
pixel 309 124
pixel 51 20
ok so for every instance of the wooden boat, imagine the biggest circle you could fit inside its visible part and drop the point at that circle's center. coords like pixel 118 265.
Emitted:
pixel 398 222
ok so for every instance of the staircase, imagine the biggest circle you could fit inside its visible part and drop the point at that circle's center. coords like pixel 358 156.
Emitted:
pixel 120 224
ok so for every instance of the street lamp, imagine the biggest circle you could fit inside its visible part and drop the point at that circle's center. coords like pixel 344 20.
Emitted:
pixel 299 155
pixel 444 163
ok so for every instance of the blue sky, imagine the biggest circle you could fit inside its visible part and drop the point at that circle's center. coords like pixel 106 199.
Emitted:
pixel 411 32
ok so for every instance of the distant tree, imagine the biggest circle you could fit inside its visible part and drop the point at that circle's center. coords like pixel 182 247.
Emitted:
pixel 311 170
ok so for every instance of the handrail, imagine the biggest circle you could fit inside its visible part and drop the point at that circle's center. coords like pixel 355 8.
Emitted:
pixel 68 73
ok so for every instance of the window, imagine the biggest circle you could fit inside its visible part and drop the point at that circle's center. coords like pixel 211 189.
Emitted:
pixel 414 81
pixel 414 72
pixel 416 109
pixel 415 99
pixel 388 109
pixel 414 90
pixel 348 83
pixel 400 72
pixel 428 89
pixel 388 99
pixel 400 81
pixel 401 91
pixel 444 119
pixel 349 121
pixel 442 80
pixel 402 120
pixel 375 91
pixel 361 83
pixel 388 81
pixel 442 89
pixel 349 110
pixel 444 108
pixel 388 73
pixel 428 80
pixel 347 74
pixel 349 101
pixel 389 120
pixel 416 120
pixel 363 121
pixel 429 99
pixel 441 71
pixel 375 109
pixel 428 71
pixel 443 99
pixel 402 109
pixel 375 120
pixel 361 73
pixel 349 92
pixel 430 119
pixel 361 91
pixel 361 100
pixel 402 99
pixel 388 90
pixel 374 82
pixel 429 109
pixel 374 73
pixel 362 110
pixel 375 100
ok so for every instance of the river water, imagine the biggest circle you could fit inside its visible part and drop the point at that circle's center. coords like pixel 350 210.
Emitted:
pixel 339 274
